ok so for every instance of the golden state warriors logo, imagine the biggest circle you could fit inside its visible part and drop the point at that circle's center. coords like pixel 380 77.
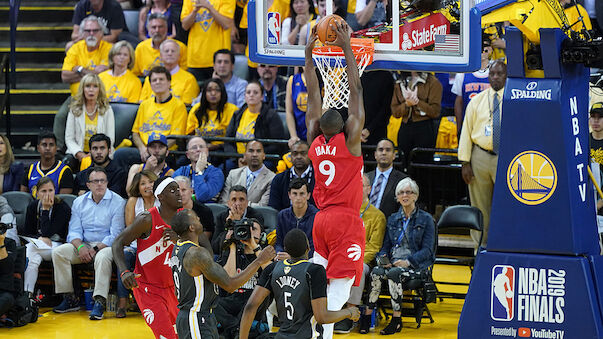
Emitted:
pixel 531 177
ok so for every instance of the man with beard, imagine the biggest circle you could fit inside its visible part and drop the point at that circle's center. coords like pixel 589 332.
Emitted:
pixel 183 85
pixel 255 177
pixel 151 281
pixel 100 145
pixel 157 148
pixel 302 168
pixel 146 55
pixel 479 142
pixel 89 55
pixel 275 86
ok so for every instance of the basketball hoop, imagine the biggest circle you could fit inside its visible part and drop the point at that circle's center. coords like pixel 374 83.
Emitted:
pixel 330 60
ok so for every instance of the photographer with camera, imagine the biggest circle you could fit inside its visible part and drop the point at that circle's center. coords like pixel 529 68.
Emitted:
pixel 241 247
pixel 238 208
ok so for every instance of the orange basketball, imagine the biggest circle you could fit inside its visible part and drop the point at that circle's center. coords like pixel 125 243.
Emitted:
pixel 325 32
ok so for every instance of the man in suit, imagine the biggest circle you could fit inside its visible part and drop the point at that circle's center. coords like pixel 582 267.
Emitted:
pixel 255 177
pixel 385 178
pixel 302 168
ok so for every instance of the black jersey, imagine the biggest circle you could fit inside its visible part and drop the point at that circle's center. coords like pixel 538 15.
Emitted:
pixel 194 293
pixel 294 286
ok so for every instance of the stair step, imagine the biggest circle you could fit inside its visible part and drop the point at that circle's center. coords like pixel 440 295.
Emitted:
pixel 37 73
pixel 39 31
pixel 49 94
pixel 27 13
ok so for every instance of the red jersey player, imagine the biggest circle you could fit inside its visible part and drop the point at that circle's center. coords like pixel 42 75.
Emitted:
pixel 152 281
pixel 336 155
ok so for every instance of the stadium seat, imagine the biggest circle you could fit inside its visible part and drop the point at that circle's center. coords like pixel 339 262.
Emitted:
pixel 241 69
pixel 60 121
pixel 18 201
pixel 132 21
pixel 124 113
pixel 463 218
pixel 67 198
pixel 270 217
pixel 216 209
pixel 283 116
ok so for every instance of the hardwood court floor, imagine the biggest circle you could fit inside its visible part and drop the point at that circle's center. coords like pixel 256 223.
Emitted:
pixel 76 325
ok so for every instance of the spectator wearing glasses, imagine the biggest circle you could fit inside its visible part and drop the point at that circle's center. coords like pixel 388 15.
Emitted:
pixel 97 218
pixel 89 55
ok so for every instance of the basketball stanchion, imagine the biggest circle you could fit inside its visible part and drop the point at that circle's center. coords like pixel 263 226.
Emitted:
pixel 330 61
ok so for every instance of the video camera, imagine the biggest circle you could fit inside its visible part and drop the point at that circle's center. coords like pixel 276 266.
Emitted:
pixel 241 229
pixel 4 227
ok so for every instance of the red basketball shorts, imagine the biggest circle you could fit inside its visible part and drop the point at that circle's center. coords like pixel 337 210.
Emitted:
pixel 338 236
pixel 159 308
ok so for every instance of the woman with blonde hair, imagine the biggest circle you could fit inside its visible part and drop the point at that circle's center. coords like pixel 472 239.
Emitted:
pixel 11 171
pixel 89 114
pixel 121 84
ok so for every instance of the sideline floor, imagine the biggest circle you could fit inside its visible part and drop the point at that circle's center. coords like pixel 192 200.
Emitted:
pixel 76 325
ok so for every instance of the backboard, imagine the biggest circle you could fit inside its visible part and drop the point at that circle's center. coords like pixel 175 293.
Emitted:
pixel 445 37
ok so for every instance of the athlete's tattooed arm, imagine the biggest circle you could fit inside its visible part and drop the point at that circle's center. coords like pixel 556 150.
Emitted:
pixel 199 261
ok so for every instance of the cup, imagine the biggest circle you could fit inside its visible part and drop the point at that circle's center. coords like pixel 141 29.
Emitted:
pixel 89 300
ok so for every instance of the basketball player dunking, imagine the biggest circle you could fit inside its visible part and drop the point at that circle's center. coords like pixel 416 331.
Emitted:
pixel 338 232
pixel 152 282
pixel 195 273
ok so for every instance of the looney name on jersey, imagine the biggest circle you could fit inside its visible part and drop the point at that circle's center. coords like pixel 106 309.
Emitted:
pixel 541 295
pixel 287 280
pixel 326 150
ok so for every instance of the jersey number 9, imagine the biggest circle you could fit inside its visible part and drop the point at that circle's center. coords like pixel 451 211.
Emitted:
pixel 327 167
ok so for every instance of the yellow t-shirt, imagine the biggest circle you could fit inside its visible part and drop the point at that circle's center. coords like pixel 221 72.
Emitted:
pixel 184 87
pixel 213 127
pixel 206 36
pixel 278 6
pixel 90 130
pixel 246 129
pixel 147 57
pixel 124 88
pixel 166 118
pixel 78 55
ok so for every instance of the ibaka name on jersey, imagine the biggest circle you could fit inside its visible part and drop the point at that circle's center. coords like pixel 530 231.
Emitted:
pixel 325 150
pixel 155 250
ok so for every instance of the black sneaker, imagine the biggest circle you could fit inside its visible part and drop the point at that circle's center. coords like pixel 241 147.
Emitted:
pixel 344 326
pixel 364 324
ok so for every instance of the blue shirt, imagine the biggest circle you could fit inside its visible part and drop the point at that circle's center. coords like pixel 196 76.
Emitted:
pixel 206 185
pixel 235 89
pixel 92 222
pixel 383 183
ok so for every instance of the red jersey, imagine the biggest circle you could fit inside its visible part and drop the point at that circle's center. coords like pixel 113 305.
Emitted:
pixel 338 173
pixel 153 254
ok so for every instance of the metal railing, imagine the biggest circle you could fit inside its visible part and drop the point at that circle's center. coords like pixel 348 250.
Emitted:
pixel 13 17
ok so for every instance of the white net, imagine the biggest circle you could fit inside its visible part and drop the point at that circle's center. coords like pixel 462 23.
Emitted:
pixel 332 68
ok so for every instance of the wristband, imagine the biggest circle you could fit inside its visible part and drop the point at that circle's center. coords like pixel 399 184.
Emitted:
pixel 124 272
pixel 79 247
pixel 3 246
pixel 257 249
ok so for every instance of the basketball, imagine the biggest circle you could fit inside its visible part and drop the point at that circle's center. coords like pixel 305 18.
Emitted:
pixel 325 32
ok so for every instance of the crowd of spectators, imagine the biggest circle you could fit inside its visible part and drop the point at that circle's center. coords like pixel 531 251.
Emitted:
pixel 181 57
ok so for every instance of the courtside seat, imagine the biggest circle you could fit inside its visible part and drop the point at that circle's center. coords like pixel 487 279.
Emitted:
pixel 216 209
pixel 270 217
pixel 18 201
pixel 124 113
pixel 67 198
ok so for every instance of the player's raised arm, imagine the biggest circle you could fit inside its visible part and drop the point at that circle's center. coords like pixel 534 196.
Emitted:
pixel 199 261
pixel 257 297
pixel 140 226
pixel 355 122
pixel 314 101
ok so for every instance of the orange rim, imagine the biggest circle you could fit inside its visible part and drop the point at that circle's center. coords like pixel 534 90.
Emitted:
pixel 360 46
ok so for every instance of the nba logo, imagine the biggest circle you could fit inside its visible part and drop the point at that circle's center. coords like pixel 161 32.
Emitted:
pixel 502 294
pixel 274 28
